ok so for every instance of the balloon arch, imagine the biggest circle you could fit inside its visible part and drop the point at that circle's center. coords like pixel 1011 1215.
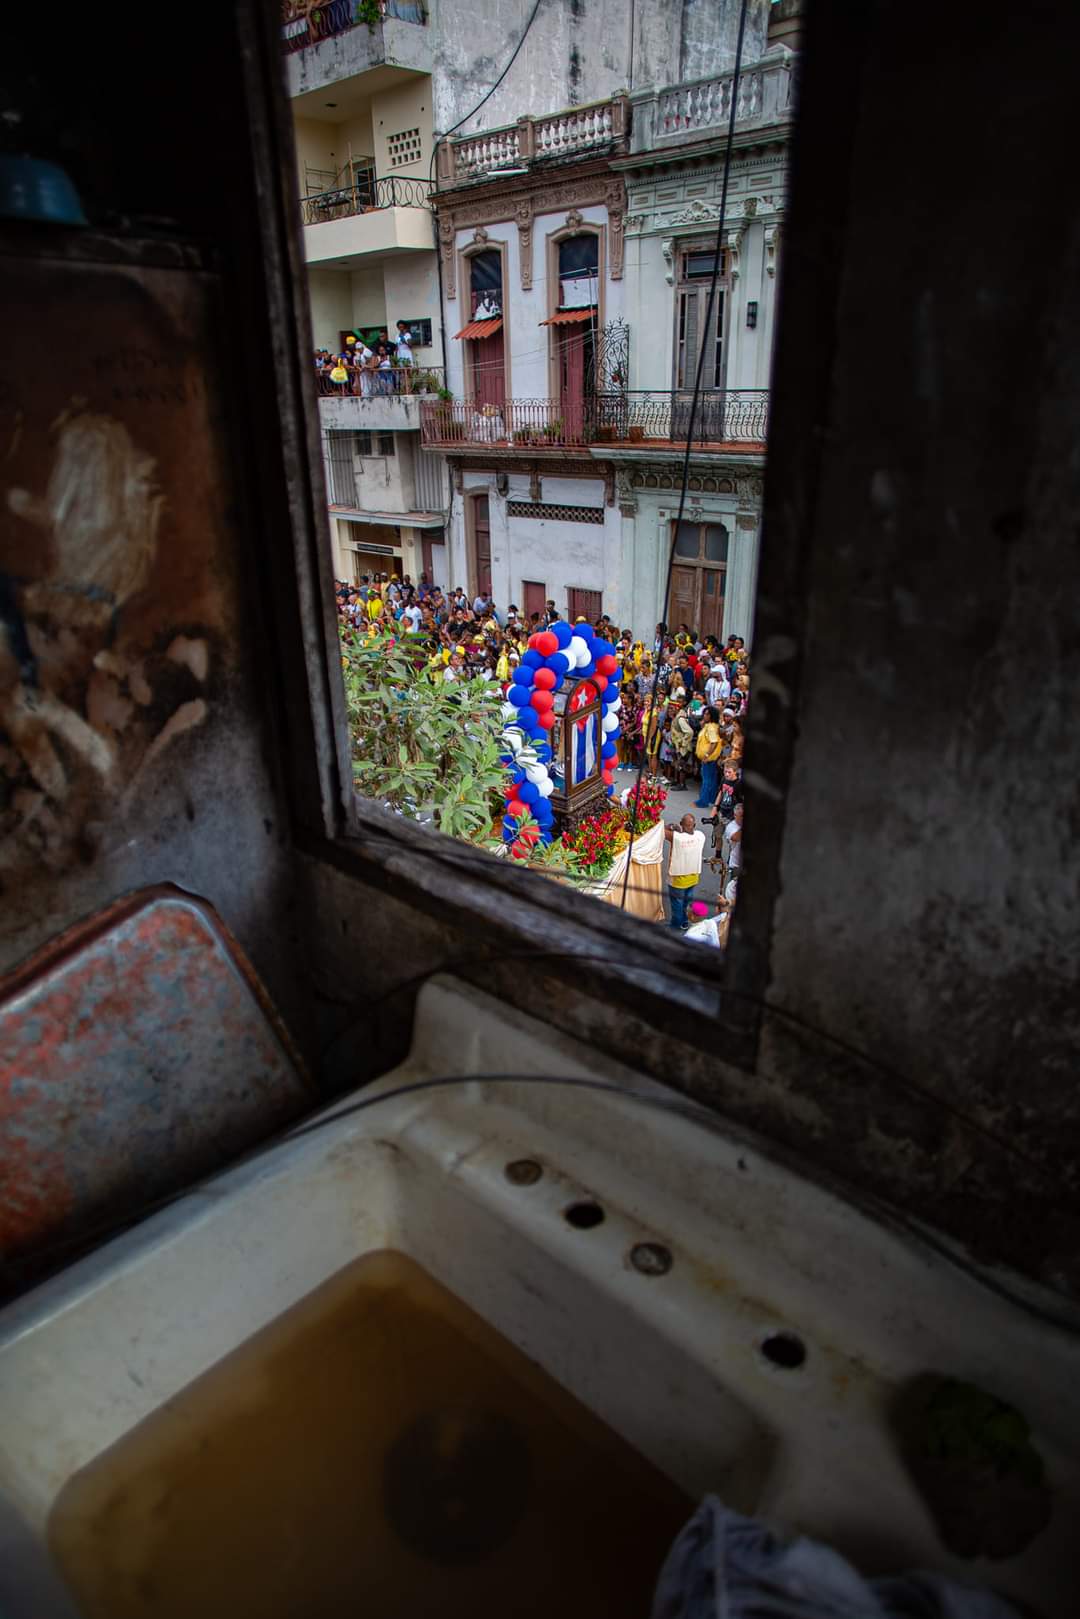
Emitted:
pixel 553 656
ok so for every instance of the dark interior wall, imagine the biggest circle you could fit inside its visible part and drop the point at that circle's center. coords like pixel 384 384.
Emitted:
pixel 918 613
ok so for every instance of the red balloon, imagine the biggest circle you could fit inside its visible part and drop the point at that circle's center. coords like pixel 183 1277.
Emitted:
pixel 510 790
pixel 600 682
pixel 547 642
pixel 544 680
pixel 547 720
pixel 542 701
pixel 607 665
pixel 534 638
pixel 516 809
pixel 529 835
pixel 520 851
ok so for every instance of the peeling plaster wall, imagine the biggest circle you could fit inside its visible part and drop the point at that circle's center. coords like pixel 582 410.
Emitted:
pixel 579 51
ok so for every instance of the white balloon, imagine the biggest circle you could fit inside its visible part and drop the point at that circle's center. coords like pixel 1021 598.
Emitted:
pixel 536 774
pixel 546 788
pixel 579 651
pixel 508 711
pixel 610 722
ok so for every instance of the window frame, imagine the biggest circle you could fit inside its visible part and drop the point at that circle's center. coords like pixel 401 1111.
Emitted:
pixel 698 287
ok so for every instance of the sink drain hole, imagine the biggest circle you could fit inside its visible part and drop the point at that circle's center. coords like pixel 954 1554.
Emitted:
pixel 584 1216
pixel 785 1350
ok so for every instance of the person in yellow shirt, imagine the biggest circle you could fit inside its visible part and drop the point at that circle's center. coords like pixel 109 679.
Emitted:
pixel 502 666
pixel 710 746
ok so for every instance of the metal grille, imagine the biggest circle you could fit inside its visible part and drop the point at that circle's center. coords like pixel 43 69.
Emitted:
pixel 430 482
pixel 550 512
pixel 584 604
pixel 342 464
pixel 403 147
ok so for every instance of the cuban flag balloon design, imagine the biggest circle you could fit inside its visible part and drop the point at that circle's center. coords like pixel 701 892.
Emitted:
pixel 528 716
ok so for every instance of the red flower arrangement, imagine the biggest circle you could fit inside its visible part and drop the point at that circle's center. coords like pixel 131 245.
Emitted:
pixel 644 805
pixel 596 841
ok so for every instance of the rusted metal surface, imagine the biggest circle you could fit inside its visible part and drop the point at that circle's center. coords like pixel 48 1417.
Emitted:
pixel 136 1052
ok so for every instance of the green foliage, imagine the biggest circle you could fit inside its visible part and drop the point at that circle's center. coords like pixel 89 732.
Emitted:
pixel 419 745
pixel 367 11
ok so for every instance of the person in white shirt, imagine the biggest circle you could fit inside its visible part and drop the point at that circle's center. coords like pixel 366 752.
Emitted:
pixel 684 868
pixel 404 344
pixel 479 603
pixel 414 617
pixel 455 669
pixel 731 849
pixel 717 687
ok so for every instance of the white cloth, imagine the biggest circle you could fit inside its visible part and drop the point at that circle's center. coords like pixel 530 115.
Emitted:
pixel 705 931
pixel 717 691
pixel 686 853
pixel 404 348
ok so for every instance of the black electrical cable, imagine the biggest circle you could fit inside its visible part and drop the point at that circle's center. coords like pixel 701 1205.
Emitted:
pixel 438 139
pixel 685 484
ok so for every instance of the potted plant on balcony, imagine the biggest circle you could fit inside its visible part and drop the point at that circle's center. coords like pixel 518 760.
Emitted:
pixel 553 431
pixel 524 435
pixel 635 433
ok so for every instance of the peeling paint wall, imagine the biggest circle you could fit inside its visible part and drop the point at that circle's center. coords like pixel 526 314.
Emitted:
pixel 579 51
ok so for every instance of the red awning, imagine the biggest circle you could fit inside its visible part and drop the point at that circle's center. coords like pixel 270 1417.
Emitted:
pixel 565 317
pixel 480 328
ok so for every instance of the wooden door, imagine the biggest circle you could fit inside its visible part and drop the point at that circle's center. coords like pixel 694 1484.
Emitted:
pixel 481 546
pixel 535 598
pixel 488 370
pixel 684 596
pixel 572 359
pixel 711 602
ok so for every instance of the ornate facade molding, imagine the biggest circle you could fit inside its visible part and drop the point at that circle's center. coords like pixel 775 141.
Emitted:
pixel 595 188
pixel 584 466
pixel 523 217
pixel 670 477
pixel 667 248
pixel 772 247
pixel 750 486
pixel 733 243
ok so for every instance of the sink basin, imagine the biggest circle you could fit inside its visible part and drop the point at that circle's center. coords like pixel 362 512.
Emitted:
pixel 735 1327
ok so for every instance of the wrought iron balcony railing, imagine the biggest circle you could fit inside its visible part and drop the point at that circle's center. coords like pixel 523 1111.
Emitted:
pixel 307 22
pixel 736 418
pixel 366 196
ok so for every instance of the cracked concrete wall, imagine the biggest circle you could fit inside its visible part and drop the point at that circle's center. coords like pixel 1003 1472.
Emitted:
pixel 579 51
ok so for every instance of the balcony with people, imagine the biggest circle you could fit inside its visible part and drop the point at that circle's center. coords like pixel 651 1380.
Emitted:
pixel 726 421
pixel 325 41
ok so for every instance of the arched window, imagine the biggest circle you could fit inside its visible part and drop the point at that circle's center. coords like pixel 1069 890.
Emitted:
pixel 485 281
pixel 579 271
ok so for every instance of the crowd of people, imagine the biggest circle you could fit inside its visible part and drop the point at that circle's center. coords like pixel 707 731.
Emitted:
pixel 386 366
pixel 682 710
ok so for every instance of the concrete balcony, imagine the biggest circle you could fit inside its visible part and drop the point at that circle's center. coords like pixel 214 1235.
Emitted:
pixel 367 222
pixel 389 406
pixel 600 127
pixel 700 109
pixel 324 45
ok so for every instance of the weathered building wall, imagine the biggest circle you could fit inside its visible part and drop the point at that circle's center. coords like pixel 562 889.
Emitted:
pixel 580 51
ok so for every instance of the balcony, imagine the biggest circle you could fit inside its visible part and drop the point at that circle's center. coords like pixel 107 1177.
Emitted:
pixel 601 126
pixel 378 401
pixel 686 114
pixel 729 422
pixel 325 43
pixel 369 219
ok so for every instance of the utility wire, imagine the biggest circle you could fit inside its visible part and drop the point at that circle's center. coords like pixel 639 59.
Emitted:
pixel 707 327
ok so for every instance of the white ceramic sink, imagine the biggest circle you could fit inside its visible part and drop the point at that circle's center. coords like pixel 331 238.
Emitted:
pixel 673 1361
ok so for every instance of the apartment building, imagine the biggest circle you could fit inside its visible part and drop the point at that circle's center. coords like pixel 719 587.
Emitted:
pixel 361 96
pixel 556 296
pixel 578 250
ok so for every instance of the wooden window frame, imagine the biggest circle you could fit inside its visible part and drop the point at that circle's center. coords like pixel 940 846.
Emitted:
pixel 465 254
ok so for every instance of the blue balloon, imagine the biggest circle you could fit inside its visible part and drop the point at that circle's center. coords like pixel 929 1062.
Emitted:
pixel 528 791
pixel 520 696
pixel 608 751
pixel 509 829
pixel 543 751
pixel 610 791
pixel 602 648
pixel 561 631
pixel 506 758
pixel 525 674
pixel 559 664
pixel 529 720
pixel 532 659
pixel 543 813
